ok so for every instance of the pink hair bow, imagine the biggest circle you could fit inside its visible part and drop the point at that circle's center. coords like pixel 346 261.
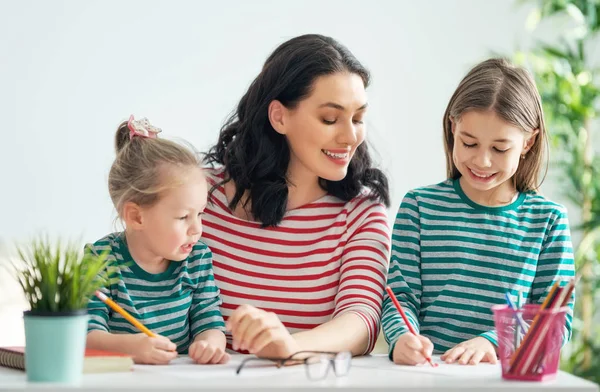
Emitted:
pixel 142 128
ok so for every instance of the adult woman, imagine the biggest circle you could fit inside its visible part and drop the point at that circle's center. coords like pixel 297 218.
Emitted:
pixel 296 219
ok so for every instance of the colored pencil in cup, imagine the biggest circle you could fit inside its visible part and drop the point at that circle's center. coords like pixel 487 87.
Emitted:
pixel 516 358
pixel 408 324
pixel 113 305
pixel 533 356
pixel 518 315
pixel 515 310
pixel 519 306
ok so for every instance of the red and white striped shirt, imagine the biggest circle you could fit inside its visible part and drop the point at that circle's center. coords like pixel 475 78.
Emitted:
pixel 324 259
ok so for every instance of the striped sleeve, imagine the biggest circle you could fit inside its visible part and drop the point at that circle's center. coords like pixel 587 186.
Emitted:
pixel 98 311
pixel 364 266
pixel 404 276
pixel 204 311
pixel 556 263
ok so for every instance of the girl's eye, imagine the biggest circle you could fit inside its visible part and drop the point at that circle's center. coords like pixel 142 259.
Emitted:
pixel 183 217
pixel 501 151
pixel 357 121
pixel 329 122
pixel 469 145
pixel 201 213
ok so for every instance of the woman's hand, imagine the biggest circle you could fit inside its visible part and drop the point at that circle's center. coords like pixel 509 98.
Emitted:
pixel 261 333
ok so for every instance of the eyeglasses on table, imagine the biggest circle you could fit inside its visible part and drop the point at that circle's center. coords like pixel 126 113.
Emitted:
pixel 316 363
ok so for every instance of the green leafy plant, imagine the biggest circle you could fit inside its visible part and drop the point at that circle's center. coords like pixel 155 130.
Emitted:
pixel 57 278
pixel 569 83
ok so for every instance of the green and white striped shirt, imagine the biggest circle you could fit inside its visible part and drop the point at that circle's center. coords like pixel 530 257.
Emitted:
pixel 179 303
pixel 452 259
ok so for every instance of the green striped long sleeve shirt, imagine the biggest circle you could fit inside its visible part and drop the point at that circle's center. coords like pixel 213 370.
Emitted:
pixel 452 259
pixel 178 303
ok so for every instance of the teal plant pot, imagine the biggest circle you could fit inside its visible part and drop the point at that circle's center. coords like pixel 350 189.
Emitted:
pixel 55 345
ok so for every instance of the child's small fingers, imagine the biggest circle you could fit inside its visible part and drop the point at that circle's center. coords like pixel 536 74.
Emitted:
pixel 491 357
pixel 225 358
pixel 414 342
pixel 199 348
pixel 200 357
pixel 401 358
pixel 410 358
pixel 398 356
pixel 162 357
pixel 163 343
pixel 207 355
pixel 427 345
pixel 454 353
pixel 449 356
pixel 417 357
pixel 192 350
pixel 477 357
pixel 218 356
pixel 466 356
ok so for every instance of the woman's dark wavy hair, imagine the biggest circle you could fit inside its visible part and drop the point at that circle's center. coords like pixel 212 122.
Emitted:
pixel 256 157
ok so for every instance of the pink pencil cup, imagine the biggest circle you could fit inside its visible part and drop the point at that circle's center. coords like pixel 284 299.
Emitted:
pixel 522 360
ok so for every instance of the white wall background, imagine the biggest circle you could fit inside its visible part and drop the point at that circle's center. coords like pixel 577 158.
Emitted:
pixel 70 71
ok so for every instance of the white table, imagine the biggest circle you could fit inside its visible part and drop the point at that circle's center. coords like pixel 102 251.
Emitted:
pixel 374 373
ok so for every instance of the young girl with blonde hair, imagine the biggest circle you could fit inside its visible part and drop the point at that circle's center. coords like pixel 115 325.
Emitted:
pixel 165 276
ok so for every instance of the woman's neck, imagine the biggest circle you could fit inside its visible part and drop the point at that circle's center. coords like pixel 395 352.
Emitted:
pixel 300 195
pixel 303 185
pixel 143 255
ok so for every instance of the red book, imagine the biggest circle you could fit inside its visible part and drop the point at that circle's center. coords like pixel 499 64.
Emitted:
pixel 95 361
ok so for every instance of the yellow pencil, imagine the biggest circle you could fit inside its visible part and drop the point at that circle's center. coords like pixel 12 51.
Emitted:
pixel 123 313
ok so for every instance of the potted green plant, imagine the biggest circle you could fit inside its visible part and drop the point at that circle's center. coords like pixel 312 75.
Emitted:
pixel 58 282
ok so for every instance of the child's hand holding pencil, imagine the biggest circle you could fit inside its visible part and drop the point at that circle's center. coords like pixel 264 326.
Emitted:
pixel 411 348
pixel 157 350
pixel 146 347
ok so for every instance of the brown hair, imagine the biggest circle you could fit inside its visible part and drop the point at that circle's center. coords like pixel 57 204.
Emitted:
pixel 510 92
pixel 138 173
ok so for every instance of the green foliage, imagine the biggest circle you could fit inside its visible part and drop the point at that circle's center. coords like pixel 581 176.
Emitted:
pixel 585 12
pixel 570 88
pixel 574 362
pixel 57 278
pixel 569 98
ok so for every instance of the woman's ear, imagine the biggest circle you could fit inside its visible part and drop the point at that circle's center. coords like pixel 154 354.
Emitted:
pixel 276 116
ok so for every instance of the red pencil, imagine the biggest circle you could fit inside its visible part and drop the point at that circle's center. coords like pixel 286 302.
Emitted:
pixel 408 324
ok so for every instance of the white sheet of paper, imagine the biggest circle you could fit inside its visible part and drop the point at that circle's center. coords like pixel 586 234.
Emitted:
pixel 382 362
